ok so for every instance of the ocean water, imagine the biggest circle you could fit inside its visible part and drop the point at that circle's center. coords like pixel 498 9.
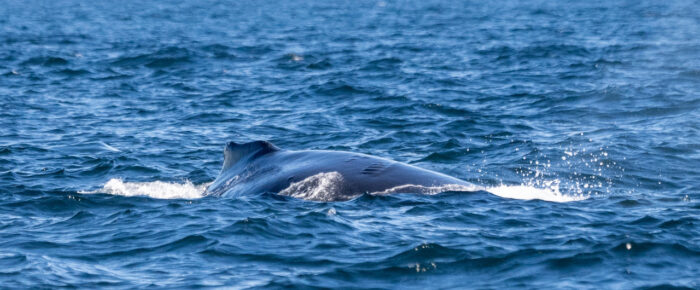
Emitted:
pixel 578 121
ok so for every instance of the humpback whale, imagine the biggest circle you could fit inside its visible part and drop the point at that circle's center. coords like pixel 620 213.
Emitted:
pixel 322 175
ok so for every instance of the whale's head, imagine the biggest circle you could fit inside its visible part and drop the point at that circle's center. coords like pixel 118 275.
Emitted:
pixel 235 153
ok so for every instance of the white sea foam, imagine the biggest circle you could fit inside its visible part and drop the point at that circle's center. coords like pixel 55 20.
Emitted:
pixel 154 189
pixel 326 186
pixel 529 191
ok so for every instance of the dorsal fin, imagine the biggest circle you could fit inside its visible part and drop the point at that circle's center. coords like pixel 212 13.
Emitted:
pixel 235 152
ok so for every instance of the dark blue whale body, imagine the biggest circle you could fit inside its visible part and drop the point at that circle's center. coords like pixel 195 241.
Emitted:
pixel 260 166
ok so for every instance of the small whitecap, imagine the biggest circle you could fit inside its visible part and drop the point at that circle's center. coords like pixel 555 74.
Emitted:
pixel 295 57
pixel 108 147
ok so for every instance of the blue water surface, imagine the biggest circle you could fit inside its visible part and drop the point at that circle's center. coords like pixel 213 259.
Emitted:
pixel 578 119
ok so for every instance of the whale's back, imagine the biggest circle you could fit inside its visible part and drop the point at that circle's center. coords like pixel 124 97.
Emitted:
pixel 349 174
pixel 258 167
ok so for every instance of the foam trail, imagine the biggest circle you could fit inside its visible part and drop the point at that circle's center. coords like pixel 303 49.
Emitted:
pixel 154 189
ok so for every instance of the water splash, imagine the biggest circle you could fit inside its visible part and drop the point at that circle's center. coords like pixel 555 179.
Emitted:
pixel 326 186
pixel 550 192
pixel 154 189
